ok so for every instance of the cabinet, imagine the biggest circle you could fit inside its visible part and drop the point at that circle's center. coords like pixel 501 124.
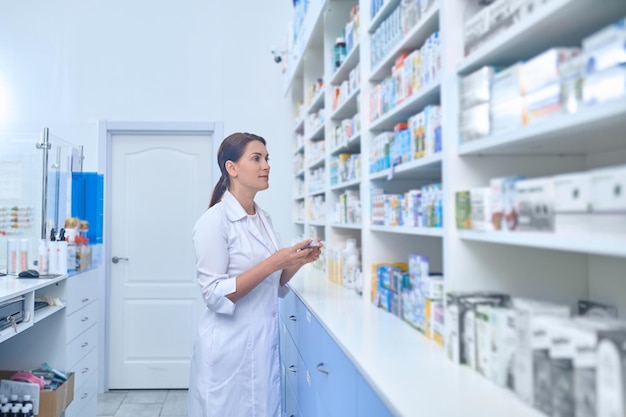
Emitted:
pixel 545 266
pixel 319 378
pixel 64 336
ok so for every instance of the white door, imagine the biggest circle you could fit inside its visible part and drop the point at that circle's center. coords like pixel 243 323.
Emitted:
pixel 160 185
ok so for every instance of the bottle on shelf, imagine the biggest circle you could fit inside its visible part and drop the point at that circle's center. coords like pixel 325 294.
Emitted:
pixel 339 52
pixel 350 263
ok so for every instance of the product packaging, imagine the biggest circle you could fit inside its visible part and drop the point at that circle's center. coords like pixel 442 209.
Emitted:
pixel 611 374
pixel 609 200
pixel 480 198
pixel 463 208
pixel 605 85
pixel 561 386
pixel 474 122
pixel 532 343
pixel 572 203
pixel 475 88
pixel 588 308
pixel 534 203
pixel 543 69
pixel 605 48
pixel 503 340
pixel 502 205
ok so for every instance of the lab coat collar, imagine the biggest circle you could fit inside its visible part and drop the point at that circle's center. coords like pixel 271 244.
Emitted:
pixel 235 212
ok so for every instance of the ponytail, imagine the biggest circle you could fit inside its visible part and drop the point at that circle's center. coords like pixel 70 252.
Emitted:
pixel 220 189
pixel 231 149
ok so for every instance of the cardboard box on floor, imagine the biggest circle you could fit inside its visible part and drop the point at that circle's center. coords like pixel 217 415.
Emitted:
pixel 51 403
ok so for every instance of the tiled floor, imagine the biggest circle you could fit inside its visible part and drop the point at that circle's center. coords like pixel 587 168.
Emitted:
pixel 143 403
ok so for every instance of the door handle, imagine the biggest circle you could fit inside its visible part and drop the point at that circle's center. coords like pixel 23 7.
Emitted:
pixel 292 368
pixel 292 318
pixel 320 368
pixel 116 259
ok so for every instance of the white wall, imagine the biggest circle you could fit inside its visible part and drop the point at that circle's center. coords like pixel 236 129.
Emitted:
pixel 65 64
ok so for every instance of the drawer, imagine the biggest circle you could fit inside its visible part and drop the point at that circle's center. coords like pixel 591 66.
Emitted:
pixel 310 335
pixel 82 406
pixel 290 359
pixel 82 345
pixel 288 313
pixel 291 404
pixel 84 370
pixel 81 290
pixel 81 320
pixel 306 394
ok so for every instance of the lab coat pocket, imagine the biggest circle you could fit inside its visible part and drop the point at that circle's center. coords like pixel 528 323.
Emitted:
pixel 231 350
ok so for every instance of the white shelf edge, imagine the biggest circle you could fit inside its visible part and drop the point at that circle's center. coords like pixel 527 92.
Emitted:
pixel 346 226
pixel 416 99
pixel 414 165
pixel 299 197
pixel 346 184
pixel 317 102
pixel 352 140
pixel 348 102
pixel 318 192
pixel 300 173
pixel 413 231
pixel 299 125
pixel 316 132
pixel 556 123
pixel 47 312
pixel 317 163
pixel 348 65
pixel 592 245
pixel 9 332
pixel 317 223
pixel 300 149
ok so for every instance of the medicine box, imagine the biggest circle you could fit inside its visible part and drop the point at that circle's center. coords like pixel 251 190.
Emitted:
pixel 611 374
pixel 474 122
pixel 506 84
pixel 475 88
pixel 503 339
pixel 604 85
pixel 502 205
pixel 534 202
pixel 484 335
pixel 480 201
pixel 531 330
pixel 506 115
pixel 52 403
pixel 543 69
pixel 541 103
pixel 475 31
pixel 588 308
pixel 463 210
pixel 608 200
pixel 605 48
pixel 561 384
pixel 572 203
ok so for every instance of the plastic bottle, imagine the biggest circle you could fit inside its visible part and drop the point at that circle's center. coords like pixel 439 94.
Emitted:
pixel 24 244
pixel 339 52
pixel 12 254
pixel 62 253
pixel 5 411
pixel 42 265
pixel 28 402
pixel 351 263
pixel 53 259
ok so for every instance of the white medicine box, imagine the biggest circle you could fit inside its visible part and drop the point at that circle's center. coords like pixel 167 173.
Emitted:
pixel 534 202
pixel 572 203
pixel 608 200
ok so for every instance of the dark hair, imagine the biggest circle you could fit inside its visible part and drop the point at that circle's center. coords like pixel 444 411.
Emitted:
pixel 231 149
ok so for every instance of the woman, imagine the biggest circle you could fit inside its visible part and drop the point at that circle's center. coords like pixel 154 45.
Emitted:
pixel 241 270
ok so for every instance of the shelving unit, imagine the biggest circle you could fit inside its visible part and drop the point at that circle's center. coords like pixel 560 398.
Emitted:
pixel 542 266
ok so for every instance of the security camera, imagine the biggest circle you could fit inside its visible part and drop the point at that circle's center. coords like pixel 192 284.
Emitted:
pixel 277 54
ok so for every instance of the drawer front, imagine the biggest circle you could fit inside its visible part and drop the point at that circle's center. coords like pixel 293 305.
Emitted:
pixel 84 370
pixel 81 405
pixel 289 314
pixel 334 376
pixel 81 320
pixel 82 345
pixel 310 337
pixel 81 290
pixel 290 359
pixel 291 404
pixel 368 403
pixel 306 395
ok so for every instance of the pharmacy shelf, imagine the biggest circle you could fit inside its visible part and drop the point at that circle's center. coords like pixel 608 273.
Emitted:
pixel 317 163
pixel 299 126
pixel 428 167
pixel 385 10
pixel 352 145
pixel 317 192
pixel 414 231
pixel 556 23
pixel 299 197
pixel 317 223
pixel 561 134
pixel 348 184
pixel 343 72
pixel 346 226
pixel 409 107
pixel 415 38
pixel 317 134
pixel 316 103
pixel 312 32
pixel 300 149
pixel 588 244
pixel 300 173
pixel 348 107
pixel 299 221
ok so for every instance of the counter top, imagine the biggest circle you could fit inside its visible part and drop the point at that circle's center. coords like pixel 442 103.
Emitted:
pixel 410 373
pixel 11 286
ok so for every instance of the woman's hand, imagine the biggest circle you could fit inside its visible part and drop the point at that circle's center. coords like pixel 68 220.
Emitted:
pixel 297 255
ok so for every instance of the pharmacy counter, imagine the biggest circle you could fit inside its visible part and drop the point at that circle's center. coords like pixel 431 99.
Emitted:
pixel 410 373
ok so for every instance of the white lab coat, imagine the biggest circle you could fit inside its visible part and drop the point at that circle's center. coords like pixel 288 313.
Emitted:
pixel 235 370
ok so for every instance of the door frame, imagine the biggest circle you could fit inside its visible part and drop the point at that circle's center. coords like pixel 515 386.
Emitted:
pixel 106 131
